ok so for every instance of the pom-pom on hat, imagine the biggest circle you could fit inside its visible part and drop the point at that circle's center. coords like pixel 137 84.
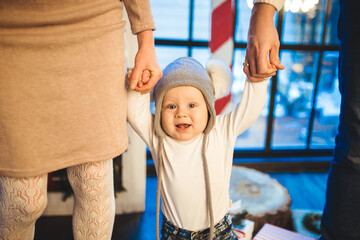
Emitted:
pixel 214 82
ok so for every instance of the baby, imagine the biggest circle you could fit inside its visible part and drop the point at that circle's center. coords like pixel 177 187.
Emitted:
pixel 192 148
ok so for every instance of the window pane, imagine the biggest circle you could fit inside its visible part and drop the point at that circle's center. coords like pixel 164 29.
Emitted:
pixel 327 108
pixel 171 18
pixel 202 20
pixel 303 23
pixel 293 99
pixel 253 137
pixel 331 31
pixel 166 55
pixel 242 20
pixel 202 54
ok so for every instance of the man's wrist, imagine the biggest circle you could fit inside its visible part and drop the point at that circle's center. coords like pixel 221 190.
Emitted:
pixel 264 10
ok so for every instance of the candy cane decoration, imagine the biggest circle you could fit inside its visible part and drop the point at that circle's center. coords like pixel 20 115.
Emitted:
pixel 221 42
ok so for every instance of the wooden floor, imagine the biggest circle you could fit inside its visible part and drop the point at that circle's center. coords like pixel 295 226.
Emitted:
pixel 306 189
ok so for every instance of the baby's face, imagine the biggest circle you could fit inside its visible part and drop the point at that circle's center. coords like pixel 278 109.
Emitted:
pixel 184 113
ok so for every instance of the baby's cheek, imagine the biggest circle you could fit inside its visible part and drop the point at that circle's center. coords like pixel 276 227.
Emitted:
pixel 165 125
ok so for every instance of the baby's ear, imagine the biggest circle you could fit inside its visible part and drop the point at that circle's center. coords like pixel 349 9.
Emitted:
pixel 221 77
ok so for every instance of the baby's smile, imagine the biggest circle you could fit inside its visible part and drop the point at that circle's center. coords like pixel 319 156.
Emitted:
pixel 182 126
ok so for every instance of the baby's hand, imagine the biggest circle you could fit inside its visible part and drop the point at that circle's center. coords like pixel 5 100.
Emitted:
pixel 144 78
pixel 255 79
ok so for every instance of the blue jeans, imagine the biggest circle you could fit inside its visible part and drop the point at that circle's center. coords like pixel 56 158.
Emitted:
pixel 341 217
pixel 224 230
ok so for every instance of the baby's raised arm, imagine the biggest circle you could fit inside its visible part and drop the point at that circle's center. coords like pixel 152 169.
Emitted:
pixel 250 106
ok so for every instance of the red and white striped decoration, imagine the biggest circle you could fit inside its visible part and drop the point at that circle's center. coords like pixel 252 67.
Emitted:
pixel 221 42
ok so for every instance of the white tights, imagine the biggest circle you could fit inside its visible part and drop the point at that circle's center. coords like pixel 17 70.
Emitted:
pixel 23 200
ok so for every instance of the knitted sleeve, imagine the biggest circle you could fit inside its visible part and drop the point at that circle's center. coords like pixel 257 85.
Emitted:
pixel 139 115
pixel 140 15
pixel 278 4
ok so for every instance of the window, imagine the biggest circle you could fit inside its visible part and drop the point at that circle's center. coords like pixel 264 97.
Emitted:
pixel 301 111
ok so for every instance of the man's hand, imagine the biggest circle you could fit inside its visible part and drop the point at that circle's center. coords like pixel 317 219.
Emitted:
pixel 262 52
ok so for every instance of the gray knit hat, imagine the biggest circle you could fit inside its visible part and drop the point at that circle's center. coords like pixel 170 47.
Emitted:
pixel 187 71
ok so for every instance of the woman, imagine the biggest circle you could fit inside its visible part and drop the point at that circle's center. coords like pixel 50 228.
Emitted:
pixel 63 105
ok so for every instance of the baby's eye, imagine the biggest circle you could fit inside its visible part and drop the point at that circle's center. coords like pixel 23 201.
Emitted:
pixel 191 105
pixel 172 107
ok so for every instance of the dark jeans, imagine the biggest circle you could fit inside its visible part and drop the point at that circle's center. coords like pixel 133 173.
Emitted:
pixel 341 217
pixel 224 230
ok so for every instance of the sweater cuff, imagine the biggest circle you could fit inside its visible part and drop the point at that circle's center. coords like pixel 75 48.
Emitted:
pixel 278 4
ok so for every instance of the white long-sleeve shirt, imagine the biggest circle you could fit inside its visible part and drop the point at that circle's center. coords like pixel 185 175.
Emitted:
pixel 183 181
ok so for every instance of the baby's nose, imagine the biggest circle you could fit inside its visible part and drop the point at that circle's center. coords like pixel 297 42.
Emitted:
pixel 181 113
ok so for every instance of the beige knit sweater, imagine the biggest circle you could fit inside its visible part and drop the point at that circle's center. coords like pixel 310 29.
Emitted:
pixel 62 90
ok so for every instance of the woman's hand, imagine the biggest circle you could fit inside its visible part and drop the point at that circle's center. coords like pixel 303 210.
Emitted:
pixel 147 70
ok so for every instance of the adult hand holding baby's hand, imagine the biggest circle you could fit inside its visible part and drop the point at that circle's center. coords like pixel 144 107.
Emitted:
pixel 262 52
pixel 141 83
pixel 147 70
pixel 143 80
